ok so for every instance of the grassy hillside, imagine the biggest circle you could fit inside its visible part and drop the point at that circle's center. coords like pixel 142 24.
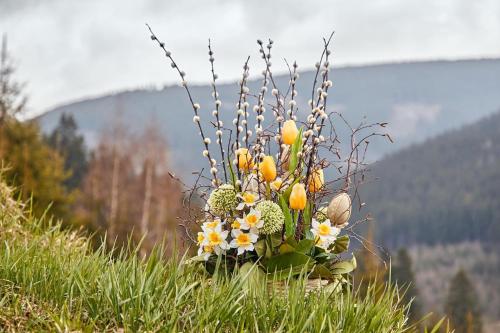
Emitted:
pixel 445 190
pixel 419 100
pixel 51 280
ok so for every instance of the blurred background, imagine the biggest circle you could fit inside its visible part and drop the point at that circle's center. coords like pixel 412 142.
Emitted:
pixel 94 123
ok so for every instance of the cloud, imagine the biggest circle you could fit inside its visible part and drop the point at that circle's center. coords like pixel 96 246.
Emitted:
pixel 406 119
pixel 70 49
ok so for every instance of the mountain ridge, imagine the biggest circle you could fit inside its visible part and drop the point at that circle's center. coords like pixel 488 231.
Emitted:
pixel 418 99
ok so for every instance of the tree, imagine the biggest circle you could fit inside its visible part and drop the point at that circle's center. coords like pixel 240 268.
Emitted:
pixel 370 270
pixel 106 186
pixel 402 273
pixel 129 192
pixel 33 168
pixel 462 305
pixel 29 164
pixel 12 101
pixel 66 140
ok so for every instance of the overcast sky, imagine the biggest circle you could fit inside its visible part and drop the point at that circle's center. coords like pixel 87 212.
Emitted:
pixel 67 50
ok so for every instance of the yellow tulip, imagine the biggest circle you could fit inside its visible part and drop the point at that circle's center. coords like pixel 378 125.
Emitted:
pixel 298 197
pixel 268 168
pixel 245 161
pixel 316 181
pixel 289 132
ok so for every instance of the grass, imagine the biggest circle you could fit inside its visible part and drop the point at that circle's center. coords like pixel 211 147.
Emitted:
pixel 52 280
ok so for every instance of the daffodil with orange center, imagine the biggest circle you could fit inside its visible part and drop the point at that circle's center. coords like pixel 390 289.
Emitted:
pixel 243 241
pixel 214 238
pixel 248 199
pixel 251 221
pixel 324 233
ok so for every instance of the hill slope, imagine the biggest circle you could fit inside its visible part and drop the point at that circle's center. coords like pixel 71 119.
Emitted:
pixel 445 190
pixel 419 100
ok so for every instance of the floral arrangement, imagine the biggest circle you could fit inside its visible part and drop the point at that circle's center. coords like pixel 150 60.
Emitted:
pixel 268 203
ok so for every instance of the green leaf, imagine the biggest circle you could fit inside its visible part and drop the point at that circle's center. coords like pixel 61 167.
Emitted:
pixel 305 246
pixel 285 248
pixel 333 288
pixel 297 145
pixel 254 276
pixel 287 261
pixel 260 247
pixel 307 215
pixel 289 226
pixel 309 234
pixel 341 244
pixel 276 240
pixel 321 271
pixel 291 241
pixel 231 171
pixel 344 267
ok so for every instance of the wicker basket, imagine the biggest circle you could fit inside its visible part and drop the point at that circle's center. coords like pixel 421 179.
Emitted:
pixel 312 285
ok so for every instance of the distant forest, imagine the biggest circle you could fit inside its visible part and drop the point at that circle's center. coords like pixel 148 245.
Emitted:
pixel 445 190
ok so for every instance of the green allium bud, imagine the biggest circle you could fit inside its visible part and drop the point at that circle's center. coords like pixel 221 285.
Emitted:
pixel 321 215
pixel 272 215
pixel 223 200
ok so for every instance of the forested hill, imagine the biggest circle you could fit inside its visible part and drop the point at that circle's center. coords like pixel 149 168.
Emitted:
pixel 445 190
pixel 419 100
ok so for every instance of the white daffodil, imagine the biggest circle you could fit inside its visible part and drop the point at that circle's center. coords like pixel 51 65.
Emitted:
pixel 251 221
pixel 324 232
pixel 200 238
pixel 243 241
pixel 212 225
pixel 206 251
pixel 323 243
pixel 236 224
pixel 215 238
pixel 248 199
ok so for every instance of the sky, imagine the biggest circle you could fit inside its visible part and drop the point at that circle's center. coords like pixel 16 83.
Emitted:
pixel 67 50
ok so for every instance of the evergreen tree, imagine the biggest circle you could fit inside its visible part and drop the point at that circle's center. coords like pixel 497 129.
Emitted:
pixel 462 305
pixel 402 274
pixel 66 140
pixel 33 168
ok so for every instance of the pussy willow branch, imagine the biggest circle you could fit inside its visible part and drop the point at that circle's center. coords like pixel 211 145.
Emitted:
pixel 243 96
pixel 276 92
pixel 217 101
pixel 318 67
pixel 314 106
pixel 193 105
pixel 259 109
pixel 311 151
pixel 242 108
pixel 293 80
pixel 317 138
